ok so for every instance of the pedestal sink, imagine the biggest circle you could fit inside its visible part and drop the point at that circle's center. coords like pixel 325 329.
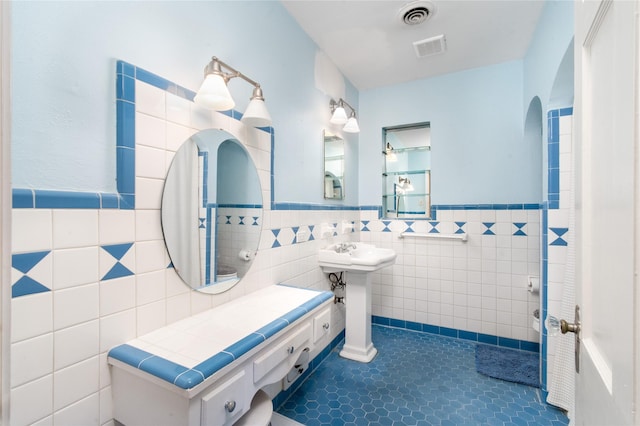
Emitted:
pixel 358 260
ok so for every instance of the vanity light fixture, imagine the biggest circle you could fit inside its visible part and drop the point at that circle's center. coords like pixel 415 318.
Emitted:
pixel 214 93
pixel 339 116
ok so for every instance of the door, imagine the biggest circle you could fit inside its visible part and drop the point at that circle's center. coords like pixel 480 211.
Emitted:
pixel 607 222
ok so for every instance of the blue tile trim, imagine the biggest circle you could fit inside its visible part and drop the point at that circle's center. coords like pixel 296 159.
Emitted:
pixel 458 334
pixel 213 364
pixel 23 199
pixel 244 345
pixel 544 279
pixel 124 198
pixel 186 378
pixel 553 155
pixel 46 199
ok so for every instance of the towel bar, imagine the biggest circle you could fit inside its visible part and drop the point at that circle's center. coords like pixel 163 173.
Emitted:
pixel 462 237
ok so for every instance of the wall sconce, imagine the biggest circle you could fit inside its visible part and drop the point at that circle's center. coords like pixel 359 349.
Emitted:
pixel 404 185
pixel 391 156
pixel 339 116
pixel 214 94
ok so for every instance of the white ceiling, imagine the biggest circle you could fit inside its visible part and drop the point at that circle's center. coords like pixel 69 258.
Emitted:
pixel 372 47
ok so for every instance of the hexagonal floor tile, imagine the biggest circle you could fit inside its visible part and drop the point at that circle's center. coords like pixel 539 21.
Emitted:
pixel 416 379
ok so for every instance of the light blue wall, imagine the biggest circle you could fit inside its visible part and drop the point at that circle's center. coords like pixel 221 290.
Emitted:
pixel 477 147
pixel 63 70
pixel 548 66
pixel 551 39
pixel 237 178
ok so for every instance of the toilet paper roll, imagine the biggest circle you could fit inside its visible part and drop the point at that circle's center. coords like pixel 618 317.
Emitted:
pixel 245 255
pixel 533 285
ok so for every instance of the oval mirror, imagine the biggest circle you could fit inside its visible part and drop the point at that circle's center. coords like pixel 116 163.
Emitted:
pixel 212 211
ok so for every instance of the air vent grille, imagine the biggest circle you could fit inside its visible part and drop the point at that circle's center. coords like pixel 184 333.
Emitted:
pixel 416 12
pixel 416 16
pixel 430 46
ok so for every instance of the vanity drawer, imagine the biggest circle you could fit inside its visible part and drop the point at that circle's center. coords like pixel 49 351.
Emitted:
pixel 225 404
pixel 287 348
pixel 321 324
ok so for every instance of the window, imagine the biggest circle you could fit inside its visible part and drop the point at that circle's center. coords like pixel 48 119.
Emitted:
pixel 407 171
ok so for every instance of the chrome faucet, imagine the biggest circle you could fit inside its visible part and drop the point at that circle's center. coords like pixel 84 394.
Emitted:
pixel 344 247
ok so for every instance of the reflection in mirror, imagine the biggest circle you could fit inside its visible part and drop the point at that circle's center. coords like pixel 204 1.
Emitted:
pixel 212 211
pixel 333 166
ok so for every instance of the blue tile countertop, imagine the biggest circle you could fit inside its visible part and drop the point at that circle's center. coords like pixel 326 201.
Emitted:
pixel 191 350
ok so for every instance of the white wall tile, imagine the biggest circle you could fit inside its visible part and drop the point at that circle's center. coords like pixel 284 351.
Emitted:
pixel 31 359
pixel 84 412
pixel 77 343
pixel 75 305
pixel 47 421
pixel 74 383
pixel 201 118
pixel 148 225
pixel 150 256
pixel 106 406
pixel 116 226
pixel 32 402
pixel 72 267
pixel 117 329
pixel 151 317
pixel 178 110
pixel 150 131
pixel 178 307
pixel 105 372
pixel 150 100
pixel 177 135
pixel 31 316
pixel 150 287
pixel 117 295
pixel 148 193
pixel 32 230
pixel 150 162
pixel 75 228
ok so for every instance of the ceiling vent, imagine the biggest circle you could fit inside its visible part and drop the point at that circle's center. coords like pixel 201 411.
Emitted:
pixel 416 12
pixel 430 46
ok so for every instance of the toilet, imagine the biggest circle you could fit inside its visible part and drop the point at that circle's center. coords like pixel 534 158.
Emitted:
pixel 226 272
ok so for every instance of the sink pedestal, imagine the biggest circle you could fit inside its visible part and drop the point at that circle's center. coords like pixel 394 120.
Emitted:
pixel 357 260
pixel 358 345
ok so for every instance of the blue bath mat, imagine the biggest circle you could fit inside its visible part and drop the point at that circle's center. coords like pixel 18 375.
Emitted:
pixel 508 364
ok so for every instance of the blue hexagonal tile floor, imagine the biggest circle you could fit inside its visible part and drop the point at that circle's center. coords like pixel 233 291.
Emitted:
pixel 416 379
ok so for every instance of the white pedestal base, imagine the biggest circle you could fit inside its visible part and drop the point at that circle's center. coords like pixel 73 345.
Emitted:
pixel 358 345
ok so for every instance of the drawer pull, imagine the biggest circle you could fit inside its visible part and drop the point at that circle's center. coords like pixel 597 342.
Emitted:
pixel 230 406
pixel 291 349
pixel 325 325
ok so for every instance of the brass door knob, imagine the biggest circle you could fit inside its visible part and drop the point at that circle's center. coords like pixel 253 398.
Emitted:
pixel 566 327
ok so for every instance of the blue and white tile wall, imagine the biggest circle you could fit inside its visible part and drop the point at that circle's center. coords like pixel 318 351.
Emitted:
pixel 90 270
pixel 556 232
pixel 475 289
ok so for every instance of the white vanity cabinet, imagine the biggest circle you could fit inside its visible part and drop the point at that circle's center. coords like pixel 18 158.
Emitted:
pixel 209 369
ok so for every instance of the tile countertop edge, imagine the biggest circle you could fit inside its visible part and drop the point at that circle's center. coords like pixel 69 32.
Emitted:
pixel 187 378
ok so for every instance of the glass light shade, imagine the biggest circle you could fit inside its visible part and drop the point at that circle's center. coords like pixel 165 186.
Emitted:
pixel 339 116
pixel 405 185
pixel 351 126
pixel 214 94
pixel 256 114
